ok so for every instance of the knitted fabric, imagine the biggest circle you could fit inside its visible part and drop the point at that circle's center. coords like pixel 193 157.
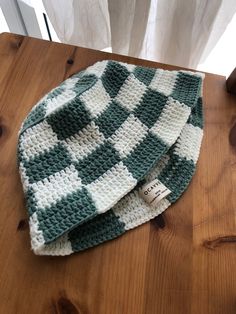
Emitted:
pixel 87 147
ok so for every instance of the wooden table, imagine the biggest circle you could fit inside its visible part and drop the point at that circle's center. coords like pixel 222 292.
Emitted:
pixel 182 262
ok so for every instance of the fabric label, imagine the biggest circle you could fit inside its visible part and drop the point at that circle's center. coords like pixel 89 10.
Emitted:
pixel 153 192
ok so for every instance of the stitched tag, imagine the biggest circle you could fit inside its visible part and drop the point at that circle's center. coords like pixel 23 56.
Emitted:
pixel 153 192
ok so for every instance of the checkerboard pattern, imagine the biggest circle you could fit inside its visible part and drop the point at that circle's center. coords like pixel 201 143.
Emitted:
pixel 87 146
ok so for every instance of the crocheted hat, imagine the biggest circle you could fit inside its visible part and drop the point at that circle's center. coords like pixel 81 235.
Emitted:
pixel 109 149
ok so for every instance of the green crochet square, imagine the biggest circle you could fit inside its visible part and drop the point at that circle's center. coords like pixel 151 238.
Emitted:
pixel 97 163
pixel 111 119
pixel 113 78
pixel 150 108
pixel 144 75
pixel 69 119
pixel 143 157
pixel 70 211
pixel 107 226
pixel 187 88
pixel 47 163
pixel 84 83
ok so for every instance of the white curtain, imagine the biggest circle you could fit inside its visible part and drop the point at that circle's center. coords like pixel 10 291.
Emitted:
pixel 180 32
pixel 81 22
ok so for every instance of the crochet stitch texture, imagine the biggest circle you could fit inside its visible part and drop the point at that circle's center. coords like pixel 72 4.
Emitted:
pixel 87 146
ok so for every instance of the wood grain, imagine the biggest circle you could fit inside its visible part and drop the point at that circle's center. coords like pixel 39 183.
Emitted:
pixel 175 264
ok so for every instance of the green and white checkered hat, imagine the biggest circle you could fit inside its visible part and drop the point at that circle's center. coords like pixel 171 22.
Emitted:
pixel 93 148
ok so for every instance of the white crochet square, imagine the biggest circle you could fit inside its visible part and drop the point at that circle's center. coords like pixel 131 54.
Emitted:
pixel 52 189
pixel 171 121
pixel 189 142
pixel 61 246
pixel 164 81
pixel 96 99
pixel 129 67
pixel 97 69
pixel 37 139
pixel 117 181
pixel 129 134
pixel 70 82
pixel 37 239
pixel 24 177
pixel 82 144
pixel 131 92
pixel 59 101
